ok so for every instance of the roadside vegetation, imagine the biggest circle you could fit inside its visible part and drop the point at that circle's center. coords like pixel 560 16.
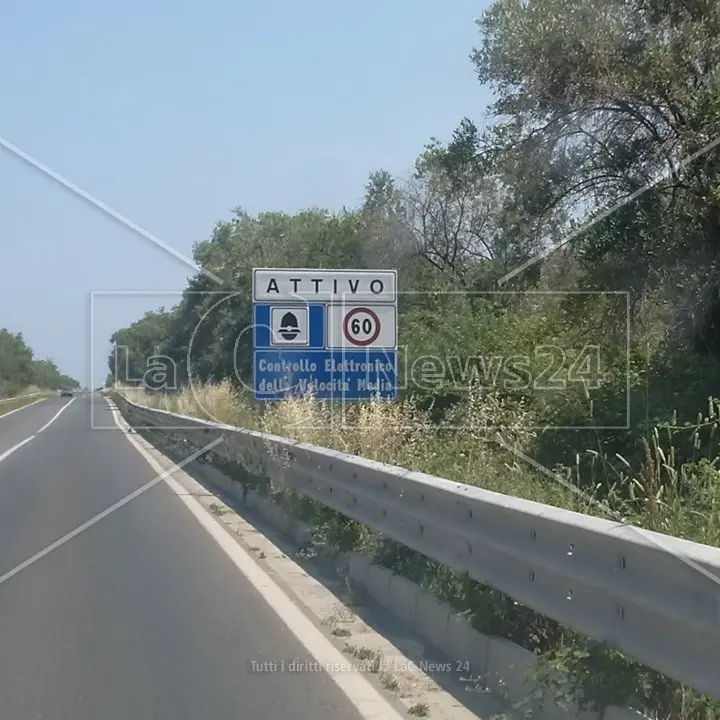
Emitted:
pixel 600 362
pixel 659 493
pixel 22 375
pixel 29 395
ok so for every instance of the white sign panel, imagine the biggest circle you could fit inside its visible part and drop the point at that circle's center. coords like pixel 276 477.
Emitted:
pixel 289 326
pixel 362 327
pixel 347 286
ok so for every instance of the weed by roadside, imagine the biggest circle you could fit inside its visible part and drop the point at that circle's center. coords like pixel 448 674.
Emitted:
pixel 9 404
pixel 674 489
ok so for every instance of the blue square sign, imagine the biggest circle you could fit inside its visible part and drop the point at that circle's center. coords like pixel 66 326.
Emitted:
pixel 332 333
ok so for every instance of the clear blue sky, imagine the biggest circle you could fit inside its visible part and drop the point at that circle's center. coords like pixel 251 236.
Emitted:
pixel 172 114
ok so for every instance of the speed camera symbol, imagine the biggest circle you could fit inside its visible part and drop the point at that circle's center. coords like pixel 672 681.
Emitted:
pixel 289 326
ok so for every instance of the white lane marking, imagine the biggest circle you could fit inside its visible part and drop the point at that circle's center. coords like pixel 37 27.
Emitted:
pixel 356 687
pixel 9 452
pixel 20 397
pixel 24 407
pixel 104 513
pixel 56 416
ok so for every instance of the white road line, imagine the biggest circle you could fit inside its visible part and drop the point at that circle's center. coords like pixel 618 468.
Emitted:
pixel 20 397
pixel 92 521
pixel 356 687
pixel 7 414
pixel 9 452
pixel 56 416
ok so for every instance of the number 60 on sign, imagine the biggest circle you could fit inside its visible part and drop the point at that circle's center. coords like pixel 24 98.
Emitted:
pixel 362 326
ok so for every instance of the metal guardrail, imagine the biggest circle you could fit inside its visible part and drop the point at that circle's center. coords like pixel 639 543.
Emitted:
pixel 655 597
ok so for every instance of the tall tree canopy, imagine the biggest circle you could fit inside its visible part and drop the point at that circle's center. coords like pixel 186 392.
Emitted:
pixel 600 141
pixel 19 369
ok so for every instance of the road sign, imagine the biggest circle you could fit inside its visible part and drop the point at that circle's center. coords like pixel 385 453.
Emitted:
pixel 362 326
pixel 328 374
pixel 329 332
pixel 289 326
pixel 348 286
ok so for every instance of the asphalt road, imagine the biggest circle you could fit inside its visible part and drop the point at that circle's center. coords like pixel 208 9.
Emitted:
pixel 141 616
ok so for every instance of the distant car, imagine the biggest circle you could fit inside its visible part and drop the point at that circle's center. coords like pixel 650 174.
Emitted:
pixel 66 392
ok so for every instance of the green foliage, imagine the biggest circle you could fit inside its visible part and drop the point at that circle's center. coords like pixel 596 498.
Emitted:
pixel 599 104
pixel 47 375
pixel 16 363
pixel 19 370
pixel 135 347
pixel 592 675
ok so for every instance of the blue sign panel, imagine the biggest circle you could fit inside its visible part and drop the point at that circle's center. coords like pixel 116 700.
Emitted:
pixel 328 333
pixel 316 325
pixel 326 374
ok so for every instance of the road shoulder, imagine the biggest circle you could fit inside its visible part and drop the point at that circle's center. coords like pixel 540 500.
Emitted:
pixel 387 663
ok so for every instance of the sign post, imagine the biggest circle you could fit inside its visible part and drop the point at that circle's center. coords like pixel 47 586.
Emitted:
pixel 332 333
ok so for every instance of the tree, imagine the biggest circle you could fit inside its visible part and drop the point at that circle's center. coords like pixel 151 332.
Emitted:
pixel 138 346
pixel 597 100
pixel 19 370
pixel 46 375
pixel 16 363
pixel 607 118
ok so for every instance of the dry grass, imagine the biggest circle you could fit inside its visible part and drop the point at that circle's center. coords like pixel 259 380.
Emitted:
pixel 8 407
pixel 663 494
pixel 392 432
pixel 215 402
pixel 10 404
pixel 24 393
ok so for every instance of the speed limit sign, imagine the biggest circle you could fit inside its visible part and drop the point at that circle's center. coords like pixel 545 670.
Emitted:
pixel 361 326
